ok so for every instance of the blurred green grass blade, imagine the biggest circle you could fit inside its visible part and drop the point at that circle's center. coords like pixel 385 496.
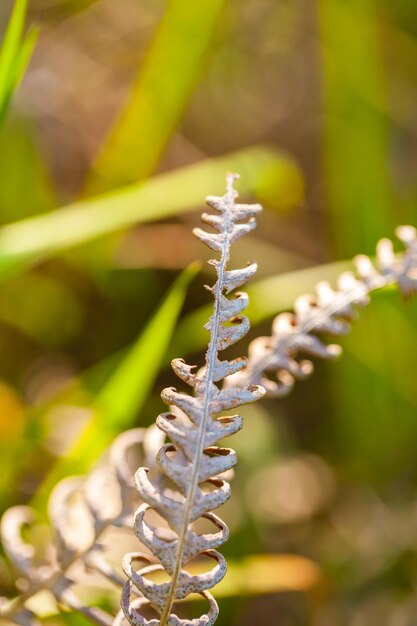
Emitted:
pixel 11 43
pixel 74 619
pixel 355 127
pixel 24 54
pixel 267 298
pixel 125 392
pixel 25 242
pixel 362 208
pixel 123 396
pixel 378 358
pixel 403 347
pixel 26 187
pixel 18 69
pixel 165 83
pixel 14 55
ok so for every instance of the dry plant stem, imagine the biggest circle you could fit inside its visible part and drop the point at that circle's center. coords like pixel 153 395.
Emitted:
pixel 330 312
pixel 55 584
pixel 263 363
pixel 193 458
pixel 54 576
pixel 211 357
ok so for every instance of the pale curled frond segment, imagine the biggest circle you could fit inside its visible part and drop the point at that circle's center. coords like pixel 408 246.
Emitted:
pixel 192 463
pixel 275 362
pixel 81 509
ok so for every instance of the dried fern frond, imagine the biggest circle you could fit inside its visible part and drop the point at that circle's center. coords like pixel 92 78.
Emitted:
pixel 328 311
pixel 192 459
pixel 81 509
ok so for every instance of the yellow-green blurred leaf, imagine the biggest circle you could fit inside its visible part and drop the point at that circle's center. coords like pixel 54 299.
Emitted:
pixel 159 96
pixel 355 131
pixel 28 241
pixel 119 402
pixel 273 178
pixel 42 307
pixel 26 188
pixel 14 54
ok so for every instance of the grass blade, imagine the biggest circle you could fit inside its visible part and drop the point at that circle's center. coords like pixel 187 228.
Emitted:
pixel 11 43
pixel 165 83
pixel 355 129
pixel 125 392
pixel 102 379
pixel 25 242
pixel 14 55
pixel 364 205
pixel 20 160
pixel 24 54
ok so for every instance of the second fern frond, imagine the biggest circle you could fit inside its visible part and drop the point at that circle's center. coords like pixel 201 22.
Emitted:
pixel 275 362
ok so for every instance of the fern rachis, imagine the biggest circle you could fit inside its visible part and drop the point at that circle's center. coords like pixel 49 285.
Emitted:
pixel 196 460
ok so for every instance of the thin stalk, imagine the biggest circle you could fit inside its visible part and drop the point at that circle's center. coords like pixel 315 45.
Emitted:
pixel 349 297
pixel 208 382
pixel 10 609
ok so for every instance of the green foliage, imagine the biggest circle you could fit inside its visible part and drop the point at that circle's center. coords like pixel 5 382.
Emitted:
pixel 356 132
pixel 365 204
pixel 122 397
pixel 15 53
pixel 163 196
pixel 159 96
pixel 26 187
pixel 83 336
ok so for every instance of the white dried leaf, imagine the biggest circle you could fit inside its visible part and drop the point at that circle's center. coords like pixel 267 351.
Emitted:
pixel 102 492
pixel 26 618
pixel 232 279
pixel 327 311
pixel 192 462
pixel 20 552
pixel 71 519
pixel 215 242
pixel 77 526
pixel 228 335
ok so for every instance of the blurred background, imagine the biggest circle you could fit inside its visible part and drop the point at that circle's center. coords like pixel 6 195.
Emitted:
pixel 127 115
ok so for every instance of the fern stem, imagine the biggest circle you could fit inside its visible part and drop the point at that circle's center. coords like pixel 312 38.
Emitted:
pixel 194 431
pixel 312 324
pixel 7 611
pixel 296 333
pixel 208 382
